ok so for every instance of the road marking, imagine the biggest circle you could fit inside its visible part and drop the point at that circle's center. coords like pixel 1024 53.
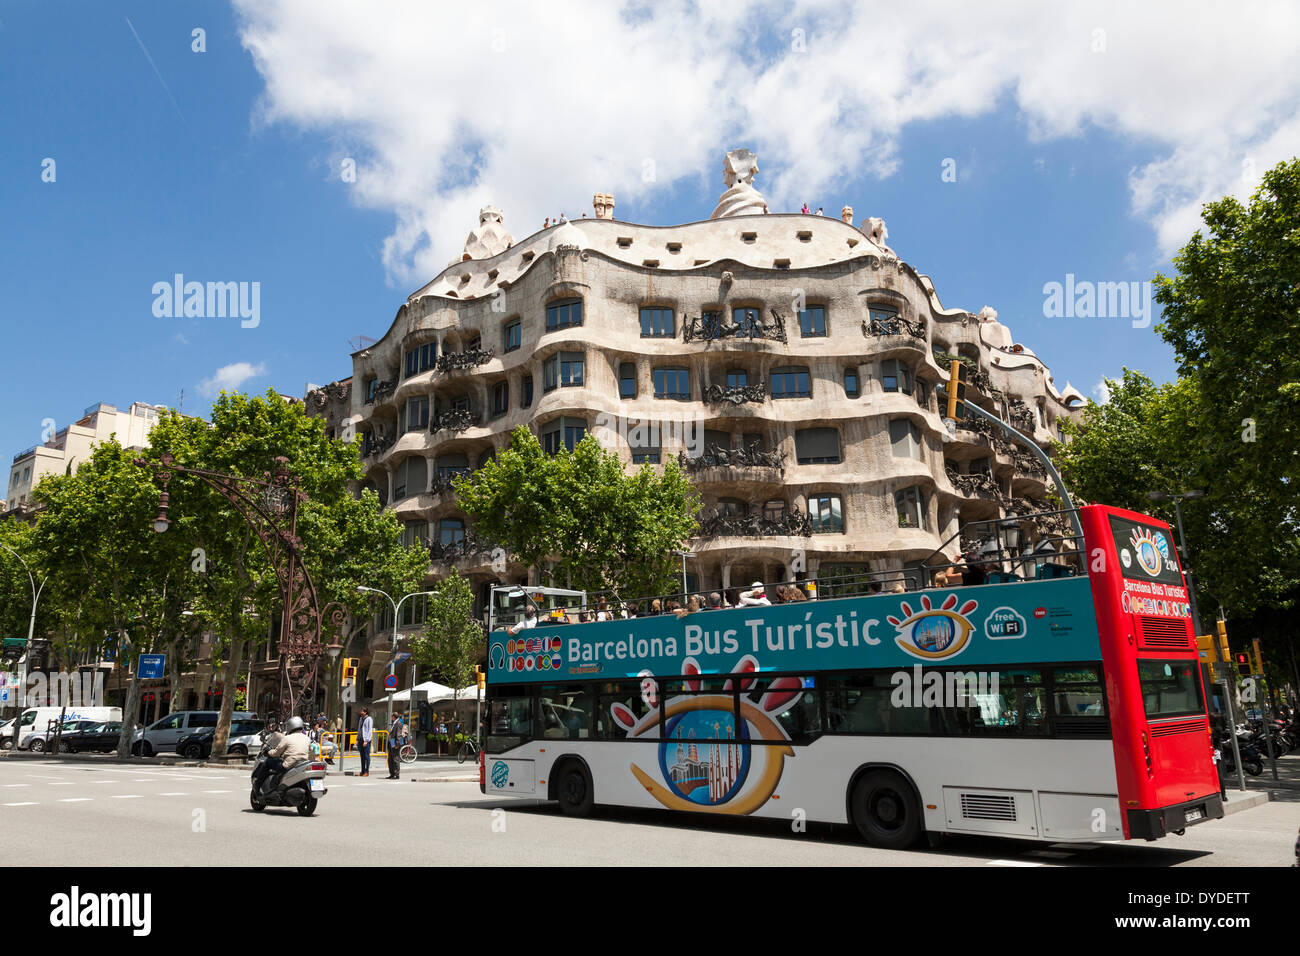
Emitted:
pixel 75 799
pixel 17 784
pixel 1013 863
pixel 173 793
pixel 216 791
pixel 126 796
pixel 63 783
pixel 29 803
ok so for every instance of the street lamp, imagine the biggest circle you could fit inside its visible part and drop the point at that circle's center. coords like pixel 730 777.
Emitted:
pixel 684 556
pixel 392 661
pixel 31 630
pixel 1182 545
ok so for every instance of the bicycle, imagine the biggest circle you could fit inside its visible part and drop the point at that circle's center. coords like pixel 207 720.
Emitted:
pixel 469 748
pixel 408 753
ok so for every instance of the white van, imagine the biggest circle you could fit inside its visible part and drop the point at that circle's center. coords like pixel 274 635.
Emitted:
pixel 163 734
pixel 37 720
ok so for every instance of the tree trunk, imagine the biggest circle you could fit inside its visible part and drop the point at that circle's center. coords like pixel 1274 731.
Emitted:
pixel 174 675
pixel 229 677
pixel 130 709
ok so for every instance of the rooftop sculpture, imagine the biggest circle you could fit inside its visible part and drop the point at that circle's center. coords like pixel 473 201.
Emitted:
pixel 741 198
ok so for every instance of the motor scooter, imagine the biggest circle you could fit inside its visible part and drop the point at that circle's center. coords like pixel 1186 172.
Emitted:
pixel 300 786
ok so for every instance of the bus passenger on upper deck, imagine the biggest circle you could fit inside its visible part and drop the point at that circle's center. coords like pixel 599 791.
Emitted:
pixel 754 596
pixel 530 620
pixel 715 602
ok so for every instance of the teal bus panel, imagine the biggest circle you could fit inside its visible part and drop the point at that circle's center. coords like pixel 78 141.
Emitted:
pixel 990 625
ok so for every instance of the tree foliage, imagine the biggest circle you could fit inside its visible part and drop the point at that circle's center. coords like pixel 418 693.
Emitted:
pixel 452 641
pixel 605 529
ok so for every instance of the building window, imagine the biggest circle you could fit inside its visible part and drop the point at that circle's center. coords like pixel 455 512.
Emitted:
pixel 415 533
pixel 923 394
pixel 826 514
pixel 658 323
pixel 417 414
pixel 412 362
pixel 732 507
pixel 460 403
pixel 910 505
pixel 817 446
pixel 514 336
pixel 451 531
pixel 563 368
pixel 563 432
pixel 500 398
pixel 643 440
pixel 526 393
pixel 564 314
pixel 774 509
pixel 882 313
pixel 371 385
pixel 905 437
pixel 851 387
pixel 411 477
pixel 737 378
pixel 627 380
pixel 812 322
pixel 456 463
pixel 748 319
pixel 792 382
pixel 895 376
pixel 672 383
pixel 421 359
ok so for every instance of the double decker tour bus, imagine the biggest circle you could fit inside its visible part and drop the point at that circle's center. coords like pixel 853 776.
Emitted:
pixel 1060 699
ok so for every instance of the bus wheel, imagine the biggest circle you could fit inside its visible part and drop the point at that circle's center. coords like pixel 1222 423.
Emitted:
pixel 574 790
pixel 885 810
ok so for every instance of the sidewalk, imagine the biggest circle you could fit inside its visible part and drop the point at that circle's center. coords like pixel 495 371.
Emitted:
pixel 426 769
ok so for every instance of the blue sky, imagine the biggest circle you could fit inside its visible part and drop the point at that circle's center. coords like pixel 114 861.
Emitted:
pixel 224 165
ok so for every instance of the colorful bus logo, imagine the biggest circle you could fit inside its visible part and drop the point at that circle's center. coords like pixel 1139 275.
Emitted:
pixel 1151 549
pixel 707 760
pixel 934 633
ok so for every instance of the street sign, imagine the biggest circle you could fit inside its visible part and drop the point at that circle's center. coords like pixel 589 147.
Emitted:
pixel 151 666
pixel 390 682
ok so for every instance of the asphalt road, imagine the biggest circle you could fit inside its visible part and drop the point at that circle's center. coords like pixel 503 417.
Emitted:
pixel 89 814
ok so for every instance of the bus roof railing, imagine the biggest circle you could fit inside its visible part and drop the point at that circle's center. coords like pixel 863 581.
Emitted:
pixel 1051 556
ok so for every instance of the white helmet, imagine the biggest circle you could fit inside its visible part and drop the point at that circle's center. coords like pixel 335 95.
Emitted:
pixel 293 725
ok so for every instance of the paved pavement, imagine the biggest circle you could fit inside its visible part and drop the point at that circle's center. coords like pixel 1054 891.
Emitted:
pixel 102 813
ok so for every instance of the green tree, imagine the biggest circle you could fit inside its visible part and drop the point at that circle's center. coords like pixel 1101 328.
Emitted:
pixel 607 529
pixel 345 540
pixel 452 641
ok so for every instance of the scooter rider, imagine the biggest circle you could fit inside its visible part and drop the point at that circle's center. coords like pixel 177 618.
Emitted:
pixel 293 748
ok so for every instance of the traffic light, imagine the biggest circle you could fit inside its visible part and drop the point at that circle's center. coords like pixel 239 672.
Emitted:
pixel 1243 665
pixel 1224 653
pixel 956 389
pixel 1207 650
pixel 350 665
pixel 481 677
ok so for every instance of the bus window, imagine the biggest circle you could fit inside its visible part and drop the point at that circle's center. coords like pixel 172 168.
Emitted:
pixel 802 719
pixel 566 712
pixel 1077 692
pixel 510 722
pixel 621 702
pixel 1170 688
pixel 1018 708
pixel 859 704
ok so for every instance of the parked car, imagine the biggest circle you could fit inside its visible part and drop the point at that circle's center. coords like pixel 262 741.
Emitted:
pixel 37 719
pixel 97 738
pixel 245 738
pixel 38 740
pixel 165 733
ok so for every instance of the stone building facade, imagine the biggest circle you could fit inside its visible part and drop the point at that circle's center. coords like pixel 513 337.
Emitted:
pixel 789 360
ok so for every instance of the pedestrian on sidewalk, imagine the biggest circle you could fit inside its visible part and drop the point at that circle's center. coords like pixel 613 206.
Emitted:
pixel 396 740
pixel 365 731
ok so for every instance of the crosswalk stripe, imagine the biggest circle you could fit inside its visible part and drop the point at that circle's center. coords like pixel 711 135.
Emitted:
pixel 29 803
pixel 75 799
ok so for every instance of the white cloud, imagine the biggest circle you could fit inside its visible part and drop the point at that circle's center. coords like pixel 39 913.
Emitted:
pixel 230 377
pixel 1101 391
pixel 534 107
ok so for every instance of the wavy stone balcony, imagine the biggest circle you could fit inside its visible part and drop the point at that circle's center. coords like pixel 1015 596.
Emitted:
pixel 896 326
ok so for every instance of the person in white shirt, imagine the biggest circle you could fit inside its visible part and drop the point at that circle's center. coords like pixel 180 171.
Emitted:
pixel 530 620
pixel 365 733
pixel 754 596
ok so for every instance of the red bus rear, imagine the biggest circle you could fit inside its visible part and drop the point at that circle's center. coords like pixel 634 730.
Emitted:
pixel 1164 762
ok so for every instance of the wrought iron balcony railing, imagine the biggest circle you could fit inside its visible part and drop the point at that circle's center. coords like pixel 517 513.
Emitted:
pixel 896 325
pixel 444 480
pixel 792 523
pixel 717 457
pixel 455 420
pixel 471 545
pixel 712 326
pixel 464 360
pixel 381 390
pixel 375 445
pixel 735 394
